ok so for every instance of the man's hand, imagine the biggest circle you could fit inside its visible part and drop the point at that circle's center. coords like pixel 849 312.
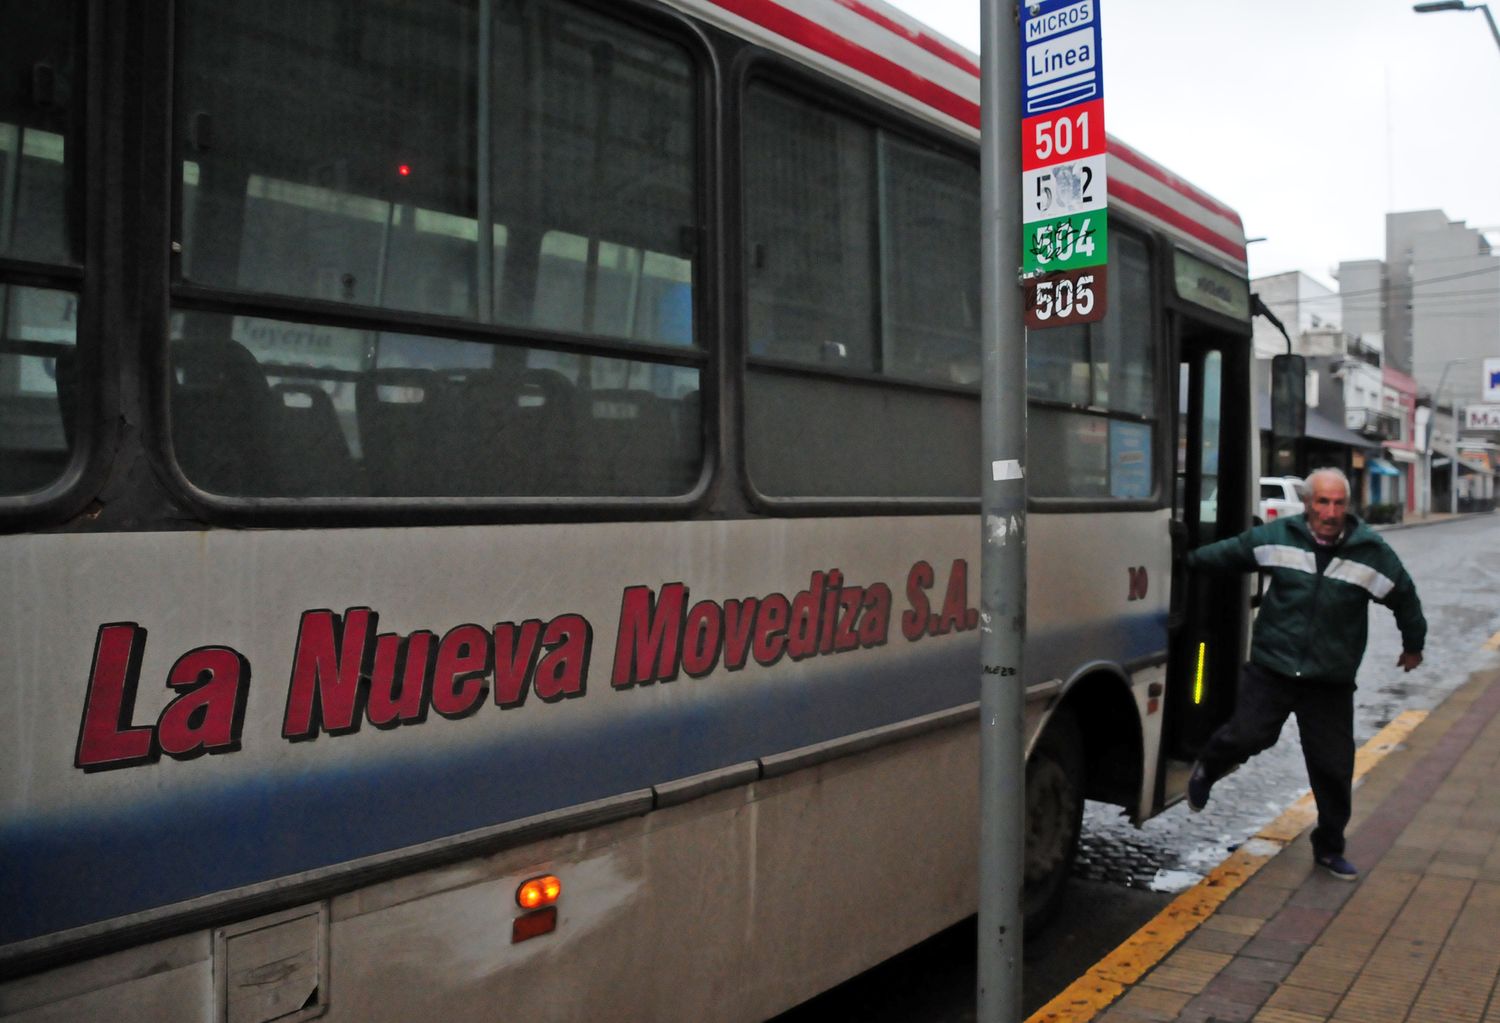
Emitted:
pixel 1408 660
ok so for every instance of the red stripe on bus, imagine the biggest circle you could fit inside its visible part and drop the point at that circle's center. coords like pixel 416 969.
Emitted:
pixel 1172 181
pixel 937 47
pixel 1150 204
pixel 808 33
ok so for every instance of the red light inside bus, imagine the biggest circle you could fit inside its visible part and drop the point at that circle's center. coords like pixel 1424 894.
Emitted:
pixel 404 170
pixel 538 891
pixel 533 925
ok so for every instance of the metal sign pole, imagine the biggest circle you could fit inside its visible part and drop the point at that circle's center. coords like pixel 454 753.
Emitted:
pixel 1003 567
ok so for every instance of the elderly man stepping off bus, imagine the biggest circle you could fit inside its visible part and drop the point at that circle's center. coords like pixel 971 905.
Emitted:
pixel 1325 568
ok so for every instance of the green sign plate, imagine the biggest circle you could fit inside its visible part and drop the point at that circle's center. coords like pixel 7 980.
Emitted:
pixel 1066 243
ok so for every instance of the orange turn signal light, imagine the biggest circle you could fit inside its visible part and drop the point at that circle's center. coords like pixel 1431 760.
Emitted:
pixel 538 892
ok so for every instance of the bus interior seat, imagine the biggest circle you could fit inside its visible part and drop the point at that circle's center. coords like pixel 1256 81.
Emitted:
pixel 406 431
pixel 485 409
pixel 544 460
pixel 315 458
pixel 223 419
pixel 633 443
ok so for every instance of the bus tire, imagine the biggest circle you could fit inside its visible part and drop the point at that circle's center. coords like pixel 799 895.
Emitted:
pixel 1054 818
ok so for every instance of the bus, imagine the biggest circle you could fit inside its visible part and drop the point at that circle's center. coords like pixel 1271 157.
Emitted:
pixel 489 494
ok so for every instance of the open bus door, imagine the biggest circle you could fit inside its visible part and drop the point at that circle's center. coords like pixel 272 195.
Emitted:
pixel 1209 616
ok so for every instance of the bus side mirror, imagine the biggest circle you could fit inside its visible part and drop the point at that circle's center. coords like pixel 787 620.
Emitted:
pixel 1288 411
pixel 1288 397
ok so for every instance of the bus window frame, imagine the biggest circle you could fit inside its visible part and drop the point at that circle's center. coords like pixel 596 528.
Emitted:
pixel 97 406
pixel 752 65
pixel 327 512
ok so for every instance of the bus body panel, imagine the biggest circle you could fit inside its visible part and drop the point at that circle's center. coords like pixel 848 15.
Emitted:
pixel 688 913
pixel 85 844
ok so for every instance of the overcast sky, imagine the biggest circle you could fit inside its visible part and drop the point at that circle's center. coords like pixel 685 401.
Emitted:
pixel 1313 118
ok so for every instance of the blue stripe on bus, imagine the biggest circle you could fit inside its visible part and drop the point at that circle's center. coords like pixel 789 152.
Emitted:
pixel 59 873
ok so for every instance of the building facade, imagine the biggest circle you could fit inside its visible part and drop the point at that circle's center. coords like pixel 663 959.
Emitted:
pixel 1434 303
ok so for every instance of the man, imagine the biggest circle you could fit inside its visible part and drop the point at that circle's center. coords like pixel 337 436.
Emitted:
pixel 1325 567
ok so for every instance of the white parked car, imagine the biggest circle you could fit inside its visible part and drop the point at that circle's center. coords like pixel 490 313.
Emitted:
pixel 1281 496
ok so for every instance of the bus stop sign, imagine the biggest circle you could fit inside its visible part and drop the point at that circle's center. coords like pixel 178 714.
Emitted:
pixel 1064 191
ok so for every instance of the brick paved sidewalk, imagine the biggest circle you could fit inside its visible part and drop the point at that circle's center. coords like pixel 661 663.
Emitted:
pixel 1416 939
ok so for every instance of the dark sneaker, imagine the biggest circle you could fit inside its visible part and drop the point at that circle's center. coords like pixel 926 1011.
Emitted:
pixel 1333 863
pixel 1199 785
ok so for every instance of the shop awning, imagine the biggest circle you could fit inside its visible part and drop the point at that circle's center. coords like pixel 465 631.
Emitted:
pixel 1380 467
pixel 1468 464
pixel 1320 427
pixel 1475 466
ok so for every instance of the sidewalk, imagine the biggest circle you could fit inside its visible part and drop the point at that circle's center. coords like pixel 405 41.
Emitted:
pixel 1266 938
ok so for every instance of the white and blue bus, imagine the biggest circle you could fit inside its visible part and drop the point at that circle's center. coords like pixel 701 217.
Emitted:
pixel 489 506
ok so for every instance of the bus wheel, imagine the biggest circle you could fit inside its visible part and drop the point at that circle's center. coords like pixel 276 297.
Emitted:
pixel 1054 817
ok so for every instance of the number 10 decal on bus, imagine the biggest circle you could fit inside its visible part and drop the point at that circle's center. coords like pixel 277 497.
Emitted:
pixel 1064 194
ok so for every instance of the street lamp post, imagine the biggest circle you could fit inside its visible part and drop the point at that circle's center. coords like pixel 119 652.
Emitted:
pixel 1437 403
pixel 1459 5
pixel 1433 8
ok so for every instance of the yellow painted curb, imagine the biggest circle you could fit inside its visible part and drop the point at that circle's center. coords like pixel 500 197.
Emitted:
pixel 1493 643
pixel 1112 976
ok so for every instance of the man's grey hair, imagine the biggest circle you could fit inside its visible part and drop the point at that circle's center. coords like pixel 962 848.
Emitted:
pixel 1332 472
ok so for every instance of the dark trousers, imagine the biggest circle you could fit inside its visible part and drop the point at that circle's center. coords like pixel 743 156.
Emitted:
pixel 1325 717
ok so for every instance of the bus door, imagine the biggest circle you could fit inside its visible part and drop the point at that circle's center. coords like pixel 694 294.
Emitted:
pixel 1209 614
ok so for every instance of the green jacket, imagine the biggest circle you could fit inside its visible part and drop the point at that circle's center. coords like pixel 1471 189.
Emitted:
pixel 1313 624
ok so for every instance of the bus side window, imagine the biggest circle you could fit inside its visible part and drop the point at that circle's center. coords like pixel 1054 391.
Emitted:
pixel 1092 393
pixel 593 145
pixel 930 229
pixel 854 236
pixel 809 199
pixel 371 184
pixel 40 221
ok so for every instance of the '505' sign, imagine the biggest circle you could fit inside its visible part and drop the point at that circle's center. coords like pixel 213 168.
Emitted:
pixel 1065 297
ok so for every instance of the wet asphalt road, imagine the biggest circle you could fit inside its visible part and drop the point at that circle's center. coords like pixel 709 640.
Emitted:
pixel 1125 874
